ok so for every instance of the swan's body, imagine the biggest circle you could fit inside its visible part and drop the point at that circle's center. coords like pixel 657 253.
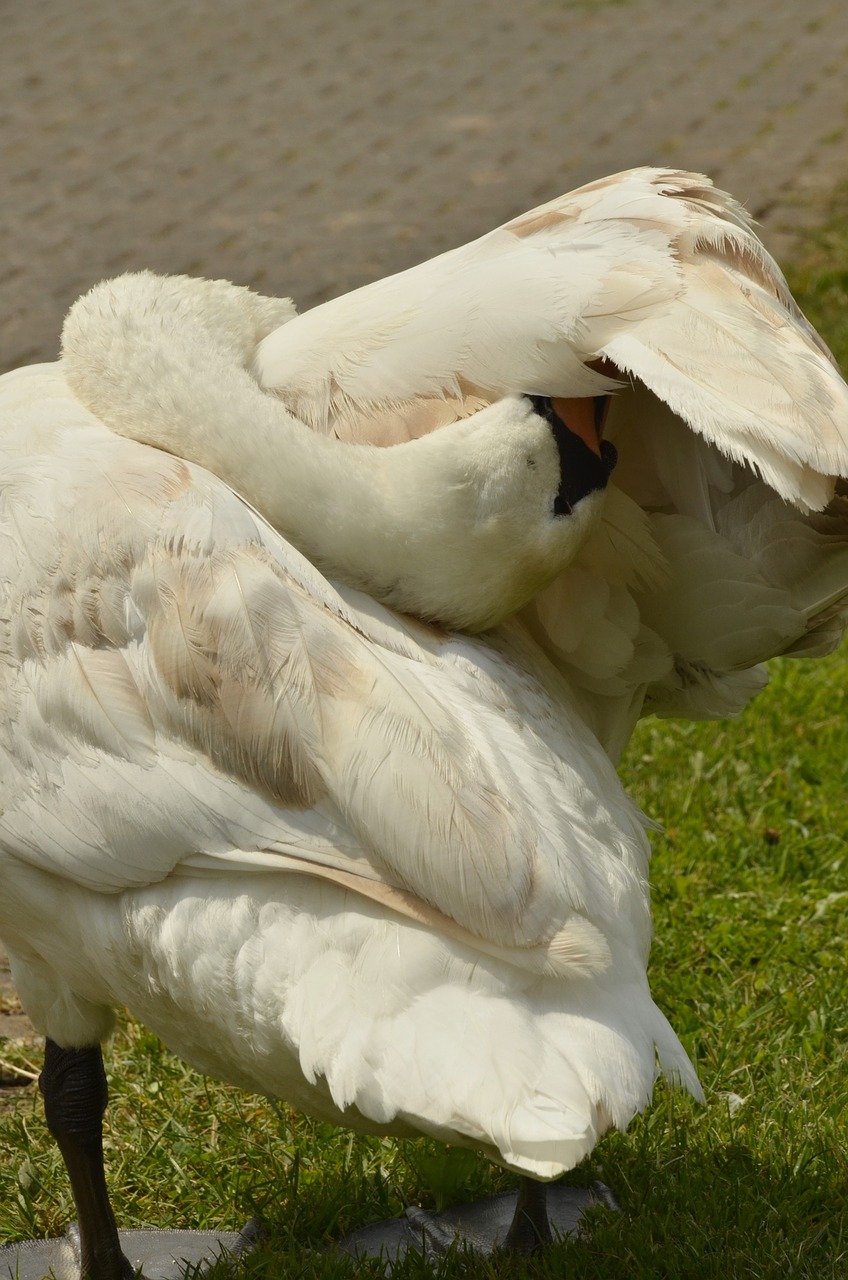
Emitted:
pixel 392 856
pixel 400 860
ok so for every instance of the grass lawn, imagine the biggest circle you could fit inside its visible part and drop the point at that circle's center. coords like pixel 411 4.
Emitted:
pixel 750 962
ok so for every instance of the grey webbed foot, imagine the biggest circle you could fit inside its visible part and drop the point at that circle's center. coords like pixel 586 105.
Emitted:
pixel 511 1221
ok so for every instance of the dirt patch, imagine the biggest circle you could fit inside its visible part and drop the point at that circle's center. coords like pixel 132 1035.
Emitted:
pixel 14 1025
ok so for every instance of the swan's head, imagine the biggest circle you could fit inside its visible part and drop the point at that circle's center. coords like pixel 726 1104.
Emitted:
pixel 504 501
pixel 540 458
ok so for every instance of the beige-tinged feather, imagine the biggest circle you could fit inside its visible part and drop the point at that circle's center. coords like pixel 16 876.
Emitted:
pixel 545 219
pixel 577 948
pixel 238 676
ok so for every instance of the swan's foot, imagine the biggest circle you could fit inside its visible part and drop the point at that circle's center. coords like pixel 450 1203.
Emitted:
pixel 521 1221
pixel 151 1254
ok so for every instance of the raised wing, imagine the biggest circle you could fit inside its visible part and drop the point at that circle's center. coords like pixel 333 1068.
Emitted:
pixel 700 570
pixel 650 273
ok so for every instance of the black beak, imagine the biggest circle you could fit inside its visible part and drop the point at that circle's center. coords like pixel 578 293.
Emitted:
pixel 582 469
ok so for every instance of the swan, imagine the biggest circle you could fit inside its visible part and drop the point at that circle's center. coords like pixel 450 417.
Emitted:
pixel 233 763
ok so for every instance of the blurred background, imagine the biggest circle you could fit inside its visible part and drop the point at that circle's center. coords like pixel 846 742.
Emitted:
pixel 307 146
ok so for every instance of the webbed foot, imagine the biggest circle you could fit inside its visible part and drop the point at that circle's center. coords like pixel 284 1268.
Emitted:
pixel 485 1226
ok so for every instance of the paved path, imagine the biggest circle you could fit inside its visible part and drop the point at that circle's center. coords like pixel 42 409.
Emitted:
pixel 305 146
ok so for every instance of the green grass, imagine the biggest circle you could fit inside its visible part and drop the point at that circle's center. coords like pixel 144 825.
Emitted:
pixel 819 277
pixel 750 962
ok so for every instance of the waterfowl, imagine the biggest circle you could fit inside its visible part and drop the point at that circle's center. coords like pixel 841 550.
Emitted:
pixel 386 845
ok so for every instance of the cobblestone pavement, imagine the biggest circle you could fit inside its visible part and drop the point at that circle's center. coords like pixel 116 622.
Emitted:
pixel 306 146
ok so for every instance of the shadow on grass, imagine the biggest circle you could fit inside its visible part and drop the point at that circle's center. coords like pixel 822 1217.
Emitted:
pixel 687 1213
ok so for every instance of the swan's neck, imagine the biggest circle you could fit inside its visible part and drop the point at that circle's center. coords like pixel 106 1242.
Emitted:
pixel 351 509
pixel 344 506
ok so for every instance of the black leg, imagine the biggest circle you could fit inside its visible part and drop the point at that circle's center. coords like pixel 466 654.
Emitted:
pixel 73 1083
pixel 530 1229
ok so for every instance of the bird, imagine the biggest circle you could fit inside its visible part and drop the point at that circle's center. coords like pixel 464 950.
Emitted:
pixel 383 825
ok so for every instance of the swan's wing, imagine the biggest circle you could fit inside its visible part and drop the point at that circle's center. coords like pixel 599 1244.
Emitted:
pixel 183 690
pixel 649 273
pixel 735 405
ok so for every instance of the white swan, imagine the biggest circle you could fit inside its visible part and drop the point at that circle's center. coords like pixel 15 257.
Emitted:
pixel 386 848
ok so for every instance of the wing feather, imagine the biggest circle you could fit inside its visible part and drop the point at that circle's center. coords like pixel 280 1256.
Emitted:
pixel 653 272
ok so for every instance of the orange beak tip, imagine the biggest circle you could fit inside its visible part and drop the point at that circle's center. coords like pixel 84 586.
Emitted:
pixel 584 416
